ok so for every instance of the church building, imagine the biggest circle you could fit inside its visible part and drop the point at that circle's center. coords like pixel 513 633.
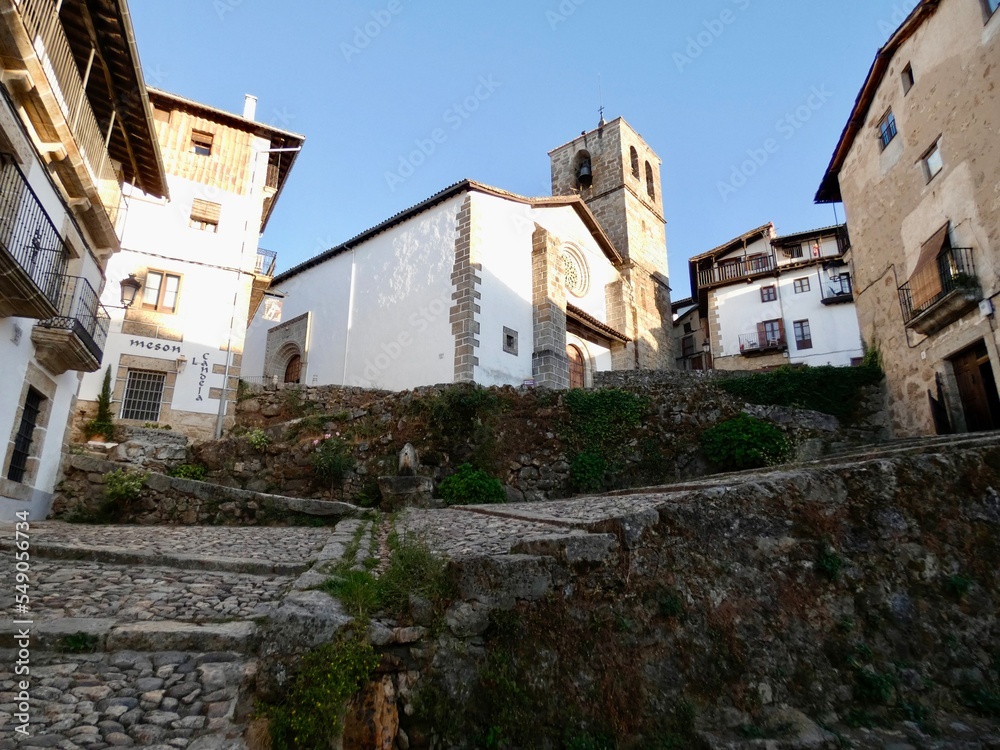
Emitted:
pixel 477 284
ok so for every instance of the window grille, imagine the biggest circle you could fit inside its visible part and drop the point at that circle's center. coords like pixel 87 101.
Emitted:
pixel 25 433
pixel 143 394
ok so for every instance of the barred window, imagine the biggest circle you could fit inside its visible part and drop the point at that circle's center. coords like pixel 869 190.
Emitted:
pixel 143 394
pixel 25 436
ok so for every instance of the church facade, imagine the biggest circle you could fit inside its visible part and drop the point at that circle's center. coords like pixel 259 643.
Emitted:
pixel 477 284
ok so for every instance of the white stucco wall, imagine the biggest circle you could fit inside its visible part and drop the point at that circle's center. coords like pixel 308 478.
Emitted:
pixel 380 311
pixel 16 356
pixel 216 270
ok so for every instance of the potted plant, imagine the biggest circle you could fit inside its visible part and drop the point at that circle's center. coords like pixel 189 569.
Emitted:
pixel 100 427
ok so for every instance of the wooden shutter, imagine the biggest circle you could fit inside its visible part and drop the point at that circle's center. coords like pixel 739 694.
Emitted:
pixel 205 211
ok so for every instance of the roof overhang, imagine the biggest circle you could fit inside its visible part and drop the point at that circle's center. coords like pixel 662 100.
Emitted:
pixel 117 87
pixel 593 324
pixel 829 189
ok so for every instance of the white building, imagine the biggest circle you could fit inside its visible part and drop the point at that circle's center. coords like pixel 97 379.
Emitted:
pixel 774 300
pixel 175 354
pixel 477 284
pixel 74 123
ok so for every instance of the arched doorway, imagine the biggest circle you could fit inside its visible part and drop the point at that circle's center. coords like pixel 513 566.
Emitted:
pixel 577 369
pixel 293 370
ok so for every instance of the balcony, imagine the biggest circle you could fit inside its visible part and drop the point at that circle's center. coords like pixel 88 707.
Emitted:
pixel 263 273
pixel 942 293
pixel 62 109
pixel 736 270
pixel 768 341
pixel 32 254
pixel 837 291
pixel 266 261
pixel 74 338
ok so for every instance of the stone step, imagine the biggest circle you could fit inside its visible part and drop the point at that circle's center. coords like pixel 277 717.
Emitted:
pixel 68 634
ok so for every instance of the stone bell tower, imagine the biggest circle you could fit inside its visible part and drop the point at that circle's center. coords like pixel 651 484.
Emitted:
pixel 618 175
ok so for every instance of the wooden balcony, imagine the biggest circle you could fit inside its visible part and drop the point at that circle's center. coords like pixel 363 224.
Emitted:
pixel 32 254
pixel 74 338
pixel 52 93
pixel 742 269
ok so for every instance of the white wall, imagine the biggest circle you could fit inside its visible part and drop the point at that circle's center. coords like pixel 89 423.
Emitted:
pixel 380 311
pixel 16 356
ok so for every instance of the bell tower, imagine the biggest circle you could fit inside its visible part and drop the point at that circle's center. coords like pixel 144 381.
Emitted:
pixel 618 176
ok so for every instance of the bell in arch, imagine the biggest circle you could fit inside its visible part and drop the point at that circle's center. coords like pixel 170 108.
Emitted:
pixel 586 175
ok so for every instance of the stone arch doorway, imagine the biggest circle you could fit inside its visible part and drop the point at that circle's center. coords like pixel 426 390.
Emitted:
pixel 287 365
pixel 577 367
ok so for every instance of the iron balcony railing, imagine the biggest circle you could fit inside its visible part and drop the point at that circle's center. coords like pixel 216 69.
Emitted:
pixel 41 19
pixel 837 290
pixel 81 312
pixel 28 235
pixel 266 260
pixel 743 268
pixel 763 341
pixel 954 270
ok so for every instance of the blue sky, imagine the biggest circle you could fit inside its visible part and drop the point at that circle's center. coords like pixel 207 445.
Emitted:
pixel 721 89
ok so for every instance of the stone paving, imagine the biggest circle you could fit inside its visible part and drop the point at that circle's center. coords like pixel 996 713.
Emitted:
pixel 162 701
pixel 128 594
pixel 277 545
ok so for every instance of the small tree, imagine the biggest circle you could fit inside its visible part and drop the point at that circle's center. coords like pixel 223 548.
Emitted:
pixel 101 424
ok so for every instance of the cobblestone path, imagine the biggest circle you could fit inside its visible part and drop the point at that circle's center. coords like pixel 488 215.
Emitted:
pixel 142 636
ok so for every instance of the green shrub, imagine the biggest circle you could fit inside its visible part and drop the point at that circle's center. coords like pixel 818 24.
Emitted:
pixel 957 586
pixel 603 420
pixel 829 564
pixel 189 471
pixel 587 472
pixel 831 390
pixel 745 442
pixel 310 716
pixel 469 486
pixel 258 439
pixel 331 462
pixel 78 643
pixel 123 486
pixel 101 424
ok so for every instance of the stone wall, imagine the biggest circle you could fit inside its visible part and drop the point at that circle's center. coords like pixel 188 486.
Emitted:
pixel 173 501
pixel 779 606
pixel 520 437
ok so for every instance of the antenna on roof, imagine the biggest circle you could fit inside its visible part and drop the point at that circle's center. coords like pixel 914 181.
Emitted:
pixel 600 92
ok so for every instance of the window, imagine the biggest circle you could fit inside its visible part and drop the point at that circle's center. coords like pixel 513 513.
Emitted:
pixel 201 143
pixel 688 328
pixel 160 291
pixel 205 215
pixel 803 338
pixel 635 161
pixel 650 182
pixel 768 294
pixel 932 161
pixel 794 251
pixel 801 285
pixel 887 129
pixel 759 262
pixel 772 332
pixel 25 435
pixel 143 394
pixel 510 340
pixel 907 79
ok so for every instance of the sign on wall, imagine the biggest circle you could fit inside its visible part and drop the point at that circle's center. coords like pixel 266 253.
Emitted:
pixel 272 309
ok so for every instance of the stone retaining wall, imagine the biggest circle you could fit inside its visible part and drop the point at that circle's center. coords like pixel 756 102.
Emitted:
pixel 523 443
pixel 170 500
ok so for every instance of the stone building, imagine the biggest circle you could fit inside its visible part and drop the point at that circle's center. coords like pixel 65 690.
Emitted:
pixel 918 171
pixel 691 345
pixel 75 123
pixel 477 284
pixel 175 353
pixel 770 301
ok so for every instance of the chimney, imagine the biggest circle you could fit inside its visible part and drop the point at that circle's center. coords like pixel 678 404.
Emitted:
pixel 249 107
